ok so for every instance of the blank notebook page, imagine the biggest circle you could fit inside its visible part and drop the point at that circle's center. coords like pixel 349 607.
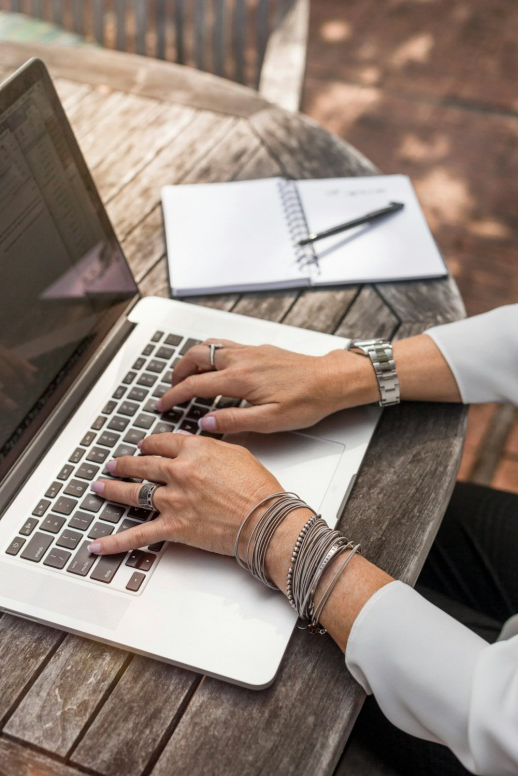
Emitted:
pixel 232 236
pixel 395 247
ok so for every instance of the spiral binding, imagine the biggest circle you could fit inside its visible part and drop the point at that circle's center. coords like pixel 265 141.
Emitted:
pixel 296 221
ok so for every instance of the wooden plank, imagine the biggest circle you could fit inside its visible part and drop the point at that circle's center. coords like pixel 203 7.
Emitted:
pixel 131 725
pixel 78 17
pixel 24 649
pixel 70 93
pixel 239 35
pixel 321 309
pixel 98 13
pixel 20 760
pixel 66 694
pixel 305 150
pixel 179 24
pixel 120 22
pixel 84 115
pixel 200 24
pixel 145 76
pixel 368 317
pixel 437 300
pixel 220 36
pixel 141 23
pixel 161 28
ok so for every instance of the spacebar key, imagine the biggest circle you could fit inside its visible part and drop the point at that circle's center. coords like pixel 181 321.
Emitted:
pixel 83 561
pixel 106 568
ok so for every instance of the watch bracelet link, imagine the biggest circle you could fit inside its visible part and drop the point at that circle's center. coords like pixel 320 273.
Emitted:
pixel 382 359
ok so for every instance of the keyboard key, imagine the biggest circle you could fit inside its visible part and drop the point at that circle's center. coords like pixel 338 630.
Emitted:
pixel 37 547
pixel 41 508
pixel 87 471
pixel 124 450
pixel 138 394
pixel 109 407
pixel 99 422
pixel 139 364
pixel 160 390
pixel 108 439
pixel 134 436
pixel 69 539
pixel 81 521
pixel 99 529
pixel 105 570
pixel 208 401
pixel 66 472
pixel 157 336
pixel 15 546
pixel 88 439
pixel 173 339
pixel 112 513
pixel 64 505
pixel 77 455
pixel 163 428
pixel 92 502
pixel 148 350
pixel 147 379
pixel 196 412
pixel 53 490
pixel 149 407
pixel 29 526
pixel 172 416
pixel 76 488
pixel 155 365
pixel 165 353
pixel 135 581
pixel 130 377
pixel 188 344
pixel 156 547
pixel 99 455
pixel 183 404
pixel 118 423
pixel 139 512
pixel 128 408
pixel 190 426
pixel 53 523
pixel 168 377
pixel 211 434
pixel 141 560
pixel 175 361
pixel 57 558
pixel 228 402
pixel 126 524
pixel 144 421
pixel 82 562
pixel 119 393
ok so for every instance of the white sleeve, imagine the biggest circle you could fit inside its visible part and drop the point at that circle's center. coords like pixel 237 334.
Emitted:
pixel 482 353
pixel 437 680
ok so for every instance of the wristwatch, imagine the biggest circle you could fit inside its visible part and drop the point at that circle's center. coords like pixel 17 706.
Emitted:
pixel 380 354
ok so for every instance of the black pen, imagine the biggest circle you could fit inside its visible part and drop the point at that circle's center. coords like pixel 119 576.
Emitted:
pixel 376 214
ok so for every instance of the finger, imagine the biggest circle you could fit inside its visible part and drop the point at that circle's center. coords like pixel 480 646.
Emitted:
pixel 139 537
pixel 146 467
pixel 206 384
pixel 168 445
pixel 117 491
pixel 238 419
pixel 198 358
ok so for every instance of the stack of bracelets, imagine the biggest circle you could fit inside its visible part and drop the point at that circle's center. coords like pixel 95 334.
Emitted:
pixel 316 547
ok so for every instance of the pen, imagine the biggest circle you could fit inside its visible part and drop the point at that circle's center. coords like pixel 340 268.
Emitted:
pixel 376 214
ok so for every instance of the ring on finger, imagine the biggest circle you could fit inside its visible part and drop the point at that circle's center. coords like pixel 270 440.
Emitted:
pixel 146 496
pixel 213 347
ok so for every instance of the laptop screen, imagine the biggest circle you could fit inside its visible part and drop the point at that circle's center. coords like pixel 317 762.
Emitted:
pixel 64 279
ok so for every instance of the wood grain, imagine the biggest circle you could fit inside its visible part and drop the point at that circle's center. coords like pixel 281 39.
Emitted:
pixel 17 759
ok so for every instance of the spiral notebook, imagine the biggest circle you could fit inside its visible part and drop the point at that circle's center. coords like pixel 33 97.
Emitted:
pixel 243 236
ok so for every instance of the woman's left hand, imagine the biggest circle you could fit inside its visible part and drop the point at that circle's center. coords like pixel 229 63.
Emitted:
pixel 208 488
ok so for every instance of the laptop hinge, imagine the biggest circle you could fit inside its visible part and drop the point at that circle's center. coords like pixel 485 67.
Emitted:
pixel 59 417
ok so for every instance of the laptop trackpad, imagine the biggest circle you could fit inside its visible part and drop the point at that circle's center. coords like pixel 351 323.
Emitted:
pixel 301 463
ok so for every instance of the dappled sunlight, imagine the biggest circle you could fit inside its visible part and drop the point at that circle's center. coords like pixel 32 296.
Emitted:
pixel 445 195
pixel 490 228
pixel 335 31
pixel 341 104
pixel 417 49
pixel 415 149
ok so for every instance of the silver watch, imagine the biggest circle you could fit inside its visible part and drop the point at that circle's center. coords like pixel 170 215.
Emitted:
pixel 380 354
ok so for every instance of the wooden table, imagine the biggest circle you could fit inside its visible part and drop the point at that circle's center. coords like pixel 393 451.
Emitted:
pixel 71 706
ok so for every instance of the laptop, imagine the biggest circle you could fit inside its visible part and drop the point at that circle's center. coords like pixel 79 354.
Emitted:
pixel 82 361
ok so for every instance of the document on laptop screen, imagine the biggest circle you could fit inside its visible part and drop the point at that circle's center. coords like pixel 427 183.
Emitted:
pixel 61 271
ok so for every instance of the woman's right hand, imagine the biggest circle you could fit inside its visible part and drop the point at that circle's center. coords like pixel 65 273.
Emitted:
pixel 284 390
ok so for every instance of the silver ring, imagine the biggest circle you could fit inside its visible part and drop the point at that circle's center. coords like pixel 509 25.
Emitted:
pixel 213 347
pixel 146 496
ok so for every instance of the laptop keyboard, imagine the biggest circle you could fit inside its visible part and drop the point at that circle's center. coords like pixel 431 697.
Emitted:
pixel 69 516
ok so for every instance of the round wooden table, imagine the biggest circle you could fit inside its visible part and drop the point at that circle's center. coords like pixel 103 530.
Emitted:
pixel 72 706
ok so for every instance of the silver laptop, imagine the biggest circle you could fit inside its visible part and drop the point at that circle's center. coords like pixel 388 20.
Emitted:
pixel 82 362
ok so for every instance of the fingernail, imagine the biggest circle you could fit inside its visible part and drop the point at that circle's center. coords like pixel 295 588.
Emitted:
pixel 208 423
pixel 110 466
pixel 158 406
pixel 98 486
pixel 95 547
pixel 139 444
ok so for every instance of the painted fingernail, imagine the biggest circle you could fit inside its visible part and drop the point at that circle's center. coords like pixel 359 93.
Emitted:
pixel 98 486
pixel 95 547
pixel 208 423
pixel 139 444
pixel 158 406
pixel 110 466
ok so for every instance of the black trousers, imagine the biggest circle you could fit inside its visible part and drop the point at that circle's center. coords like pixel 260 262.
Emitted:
pixel 472 574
